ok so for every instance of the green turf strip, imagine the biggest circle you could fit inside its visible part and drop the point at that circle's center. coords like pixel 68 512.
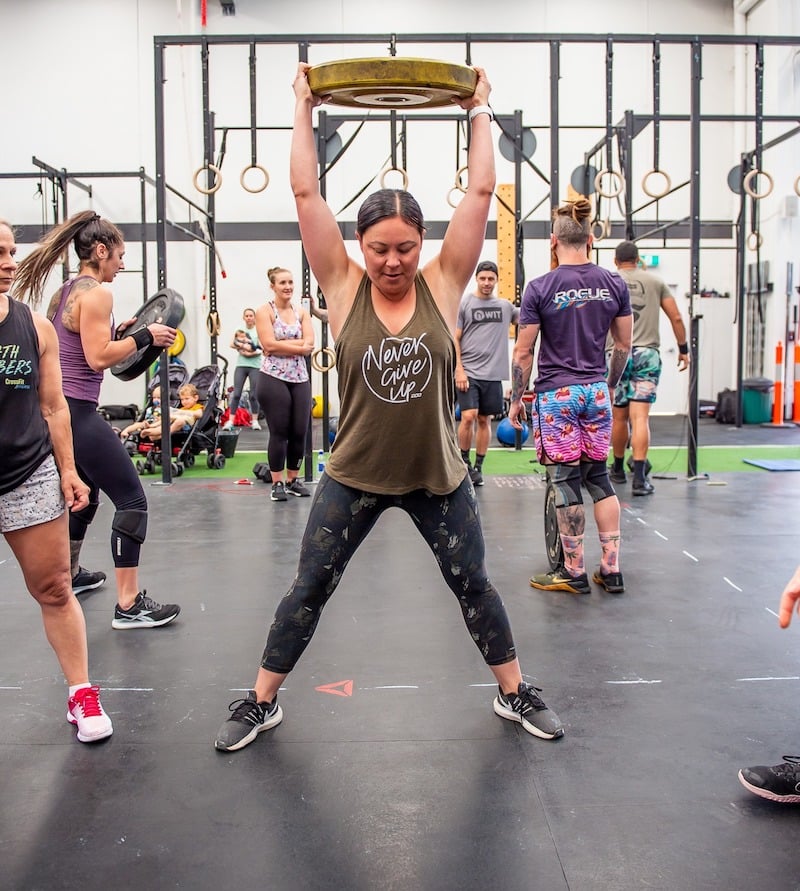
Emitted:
pixel 509 462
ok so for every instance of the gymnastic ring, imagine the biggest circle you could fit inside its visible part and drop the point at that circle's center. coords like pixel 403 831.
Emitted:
pixel 750 177
pixel 603 232
pixel 459 173
pixel 250 189
pixel 329 355
pixel 598 181
pixel 450 201
pixel 797 186
pixel 217 179
pixel 754 241
pixel 650 192
pixel 212 324
pixel 395 170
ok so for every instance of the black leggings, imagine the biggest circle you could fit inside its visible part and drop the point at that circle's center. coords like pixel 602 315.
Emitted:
pixel 340 520
pixel 242 374
pixel 287 409
pixel 104 465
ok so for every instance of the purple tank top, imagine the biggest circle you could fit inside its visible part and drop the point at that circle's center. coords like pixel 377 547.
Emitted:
pixel 80 381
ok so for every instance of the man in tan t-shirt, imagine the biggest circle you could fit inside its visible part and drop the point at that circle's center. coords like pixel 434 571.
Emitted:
pixel 636 391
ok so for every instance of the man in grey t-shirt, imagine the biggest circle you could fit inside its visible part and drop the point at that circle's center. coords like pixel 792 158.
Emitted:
pixel 482 363
pixel 636 390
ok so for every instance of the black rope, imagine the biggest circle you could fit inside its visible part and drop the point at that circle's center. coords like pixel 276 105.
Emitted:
pixel 656 102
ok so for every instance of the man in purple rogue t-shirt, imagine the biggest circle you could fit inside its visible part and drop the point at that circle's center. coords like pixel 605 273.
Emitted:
pixel 574 307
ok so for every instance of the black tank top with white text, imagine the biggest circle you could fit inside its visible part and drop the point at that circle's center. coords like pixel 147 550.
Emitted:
pixel 24 435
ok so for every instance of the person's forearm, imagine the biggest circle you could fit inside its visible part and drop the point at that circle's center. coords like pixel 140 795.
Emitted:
pixel 616 365
pixel 60 427
pixel 303 154
pixel 520 375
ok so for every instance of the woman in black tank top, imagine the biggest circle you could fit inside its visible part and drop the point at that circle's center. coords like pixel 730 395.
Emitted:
pixel 393 324
pixel 37 480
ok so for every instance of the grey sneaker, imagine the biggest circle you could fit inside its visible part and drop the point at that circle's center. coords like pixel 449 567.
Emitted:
pixel 278 492
pixel 144 613
pixel 528 708
pixel 476 476
pixel 83 580
pixel 617 476
pixel 295 487
pixel 248 718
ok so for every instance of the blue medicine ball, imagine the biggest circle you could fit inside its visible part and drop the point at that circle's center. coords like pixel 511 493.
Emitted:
pixel 506 433
pixel 333 424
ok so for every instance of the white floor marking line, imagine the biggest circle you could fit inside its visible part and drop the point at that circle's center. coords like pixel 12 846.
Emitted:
pixel 482 685
pixel 640 520
pixel 128 689
pixel 769 679
pixel 640 681
pixel 10 688
pixel 726 579
pixel 660 535
pixel 691 556
pixel 771 611
pixel 392 687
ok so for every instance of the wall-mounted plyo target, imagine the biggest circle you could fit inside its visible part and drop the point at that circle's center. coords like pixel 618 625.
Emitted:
pixel 509 150
pixel 391 82
pixel 583 179
pixel 166 307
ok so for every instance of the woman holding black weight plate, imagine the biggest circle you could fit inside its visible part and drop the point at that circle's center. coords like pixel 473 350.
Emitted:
pixel 82 313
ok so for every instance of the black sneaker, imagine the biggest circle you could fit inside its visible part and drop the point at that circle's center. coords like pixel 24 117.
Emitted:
pixel 476 476
pixel 617 476
pixel 560 580
pixel 528 708
pixel 611 581
pixel 295 487
pixel 145 613
pixel 778 783
pixel 278 492
pixel 248 718
pixel 83 580
pixel 645 487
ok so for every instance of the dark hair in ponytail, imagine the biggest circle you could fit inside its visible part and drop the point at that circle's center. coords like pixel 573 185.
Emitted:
pixel 84 230
pixel 571 222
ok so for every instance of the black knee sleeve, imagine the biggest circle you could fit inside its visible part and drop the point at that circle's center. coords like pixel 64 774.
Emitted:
pixel 566 479
pixel 131 524
pixel 595 478
pixel 80 521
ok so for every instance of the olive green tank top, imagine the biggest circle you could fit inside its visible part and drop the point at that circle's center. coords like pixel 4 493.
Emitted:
pixel 396 430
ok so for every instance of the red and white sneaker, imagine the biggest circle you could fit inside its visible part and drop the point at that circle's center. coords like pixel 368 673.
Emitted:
pixel 85 710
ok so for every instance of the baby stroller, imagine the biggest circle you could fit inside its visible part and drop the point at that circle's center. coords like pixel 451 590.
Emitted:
pixel 178 375
pixel 204 433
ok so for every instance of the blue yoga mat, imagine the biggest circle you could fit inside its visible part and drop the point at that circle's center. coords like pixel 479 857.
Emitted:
pixel 774 464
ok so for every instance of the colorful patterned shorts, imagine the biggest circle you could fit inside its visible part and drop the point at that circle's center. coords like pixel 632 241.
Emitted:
pixel 38 500
pixel 640 378
pixel 572 422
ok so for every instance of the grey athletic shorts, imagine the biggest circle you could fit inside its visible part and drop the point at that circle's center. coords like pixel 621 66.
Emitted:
pixel 38 500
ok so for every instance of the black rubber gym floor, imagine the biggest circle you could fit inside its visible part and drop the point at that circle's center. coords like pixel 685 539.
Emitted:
pixel 400 776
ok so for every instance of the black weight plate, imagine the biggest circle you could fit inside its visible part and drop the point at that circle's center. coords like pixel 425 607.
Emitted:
pixel 555 553
pixel 166 308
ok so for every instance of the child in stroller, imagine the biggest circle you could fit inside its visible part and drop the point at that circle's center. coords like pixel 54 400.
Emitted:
pixel 194 426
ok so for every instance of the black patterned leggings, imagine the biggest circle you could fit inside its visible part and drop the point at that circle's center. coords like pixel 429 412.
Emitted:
pixel 340 520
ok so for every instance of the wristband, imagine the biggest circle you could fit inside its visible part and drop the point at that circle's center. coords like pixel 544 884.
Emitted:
pixel 683 348
pixel 142 338
pixel 480 109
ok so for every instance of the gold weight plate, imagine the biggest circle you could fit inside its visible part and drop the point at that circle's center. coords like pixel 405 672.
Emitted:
pixel 392 82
